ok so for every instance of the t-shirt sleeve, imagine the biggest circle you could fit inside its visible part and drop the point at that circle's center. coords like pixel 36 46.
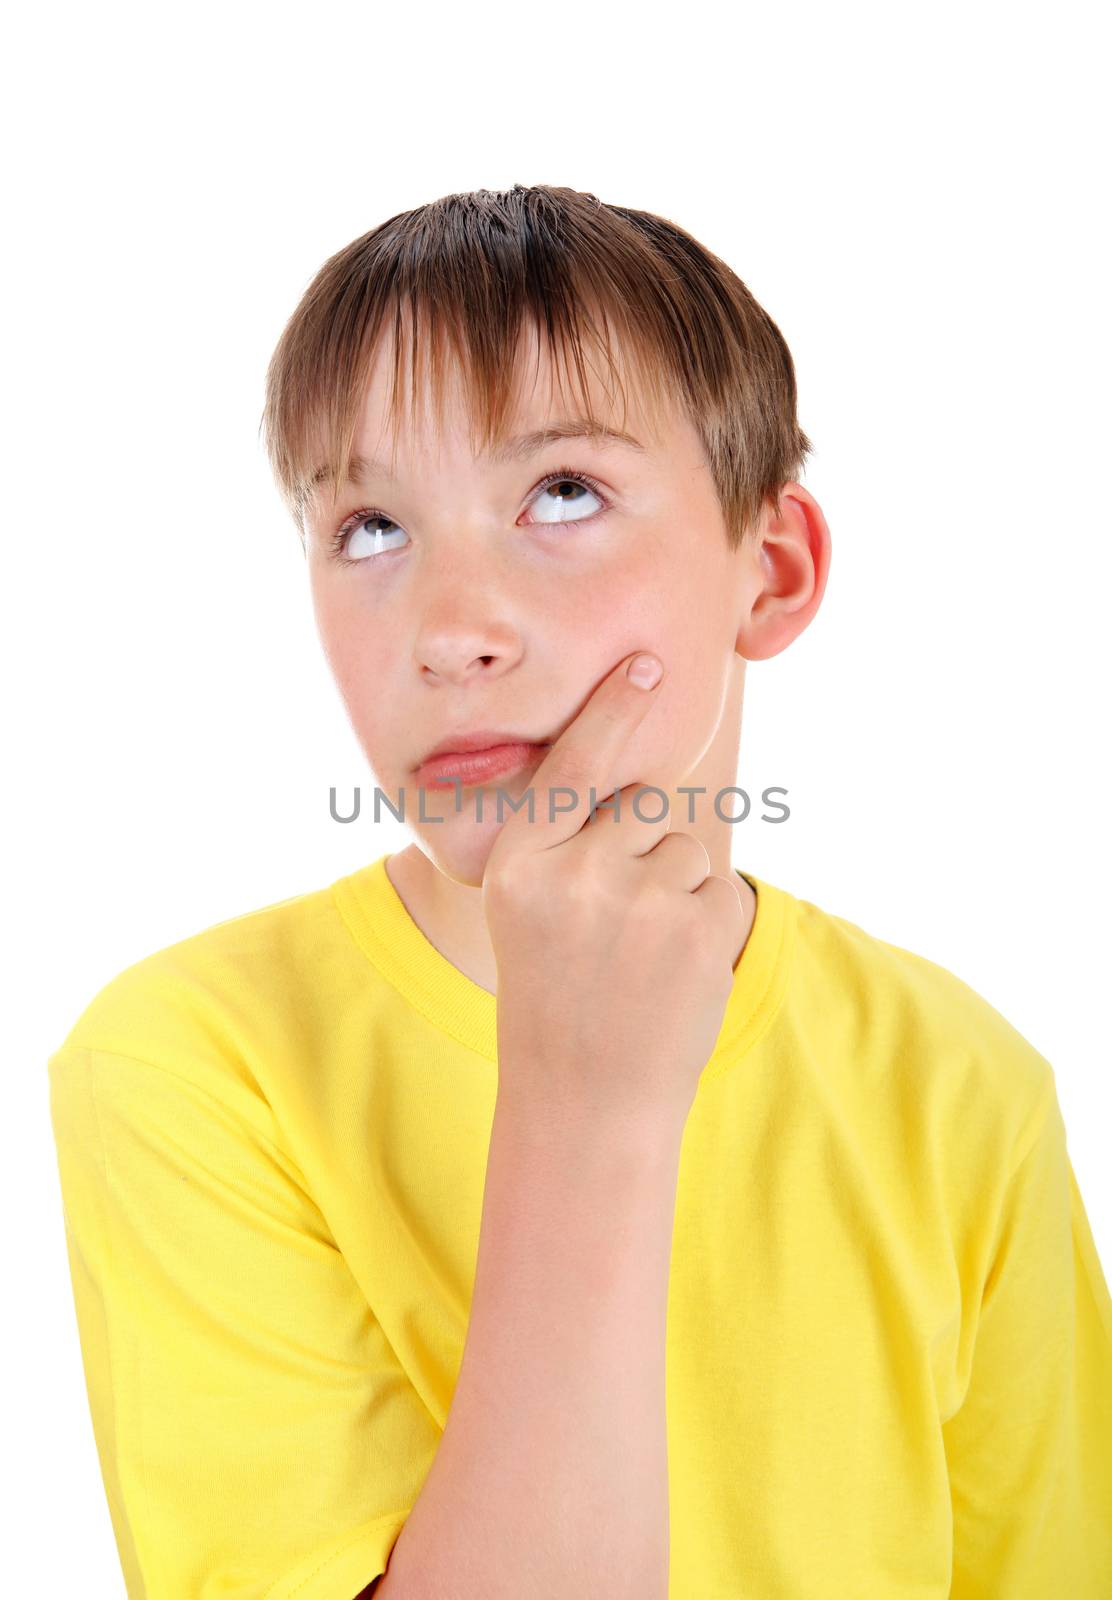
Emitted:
pixel 1029 1450
pixel 256 1434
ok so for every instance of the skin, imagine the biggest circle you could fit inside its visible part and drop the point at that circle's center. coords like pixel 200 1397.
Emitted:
pixel 483 610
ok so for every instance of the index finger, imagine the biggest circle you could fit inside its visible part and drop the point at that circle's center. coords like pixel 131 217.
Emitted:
pixel 583 758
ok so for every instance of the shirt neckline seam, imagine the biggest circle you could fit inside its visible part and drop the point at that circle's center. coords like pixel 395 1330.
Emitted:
pixel 405 981
pixel 413 992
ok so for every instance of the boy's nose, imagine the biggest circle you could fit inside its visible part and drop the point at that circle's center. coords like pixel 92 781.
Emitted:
pixel 458 652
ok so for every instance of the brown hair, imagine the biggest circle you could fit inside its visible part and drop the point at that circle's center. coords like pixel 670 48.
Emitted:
pixel 470 267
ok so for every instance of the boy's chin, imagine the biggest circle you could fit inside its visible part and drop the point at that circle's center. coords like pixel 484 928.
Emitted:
pixel 459 842
pixel 460 846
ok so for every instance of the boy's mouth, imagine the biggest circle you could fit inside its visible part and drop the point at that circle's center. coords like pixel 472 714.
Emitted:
pixel 459 744
pixel 476 760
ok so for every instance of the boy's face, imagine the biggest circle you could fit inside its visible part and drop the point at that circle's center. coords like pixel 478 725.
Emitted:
pixel 489 605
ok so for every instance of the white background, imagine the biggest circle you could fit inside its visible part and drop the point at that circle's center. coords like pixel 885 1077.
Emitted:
pixel 914 194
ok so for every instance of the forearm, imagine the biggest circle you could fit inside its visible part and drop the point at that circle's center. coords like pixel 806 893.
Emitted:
pixel 551 1477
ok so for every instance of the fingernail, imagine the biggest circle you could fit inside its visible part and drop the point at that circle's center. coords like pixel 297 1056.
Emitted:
pixel 645 671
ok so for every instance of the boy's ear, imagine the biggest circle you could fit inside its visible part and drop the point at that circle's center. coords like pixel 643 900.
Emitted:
pixel 785 578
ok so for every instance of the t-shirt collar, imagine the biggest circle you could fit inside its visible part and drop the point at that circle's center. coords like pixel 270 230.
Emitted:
pixel 391 940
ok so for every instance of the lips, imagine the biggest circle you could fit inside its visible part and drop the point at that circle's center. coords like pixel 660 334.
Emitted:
pixel 477 762
pixel 459 744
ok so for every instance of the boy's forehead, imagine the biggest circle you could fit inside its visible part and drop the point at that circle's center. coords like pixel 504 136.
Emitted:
pixel 545 406
pixel 443 415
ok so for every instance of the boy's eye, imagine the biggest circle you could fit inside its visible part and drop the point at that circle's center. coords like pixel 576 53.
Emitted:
pixel 359 537
pixel 550 496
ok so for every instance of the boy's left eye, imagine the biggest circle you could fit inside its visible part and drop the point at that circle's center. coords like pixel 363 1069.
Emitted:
pixel 354 531
pixel 560 480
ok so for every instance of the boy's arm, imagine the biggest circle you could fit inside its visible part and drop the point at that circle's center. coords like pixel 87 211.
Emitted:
pixel 1030 1449
pixel 551 1477
pixel 255 1429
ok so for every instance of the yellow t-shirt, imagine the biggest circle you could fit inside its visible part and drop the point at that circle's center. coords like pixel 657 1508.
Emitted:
pixel 889 1338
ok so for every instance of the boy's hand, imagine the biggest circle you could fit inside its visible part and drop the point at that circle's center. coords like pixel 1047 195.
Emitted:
pixel 613 942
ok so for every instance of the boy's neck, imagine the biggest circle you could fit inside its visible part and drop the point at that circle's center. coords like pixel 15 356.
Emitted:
pixel 450 914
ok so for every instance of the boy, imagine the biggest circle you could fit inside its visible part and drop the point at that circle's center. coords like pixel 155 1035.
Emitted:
pixel 551 1207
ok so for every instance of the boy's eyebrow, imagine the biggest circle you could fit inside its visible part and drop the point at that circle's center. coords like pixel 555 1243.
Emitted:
pixel 516 449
